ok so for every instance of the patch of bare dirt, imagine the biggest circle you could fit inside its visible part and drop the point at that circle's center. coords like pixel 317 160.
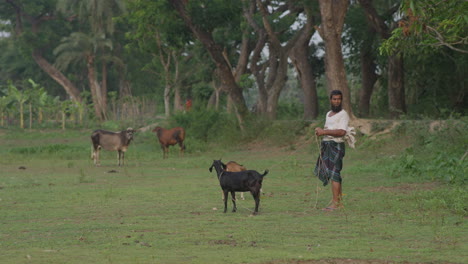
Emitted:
pixel 350 261
pixel 407 187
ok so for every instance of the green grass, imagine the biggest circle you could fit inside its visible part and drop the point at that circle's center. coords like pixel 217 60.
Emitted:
pixel 62 209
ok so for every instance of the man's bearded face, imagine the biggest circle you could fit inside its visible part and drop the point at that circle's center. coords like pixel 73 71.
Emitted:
pixel 335 103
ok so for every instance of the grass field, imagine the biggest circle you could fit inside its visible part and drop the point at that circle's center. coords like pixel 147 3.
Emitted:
pixel 59 208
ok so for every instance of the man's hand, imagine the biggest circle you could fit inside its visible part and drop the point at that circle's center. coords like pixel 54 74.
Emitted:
pixel 319 131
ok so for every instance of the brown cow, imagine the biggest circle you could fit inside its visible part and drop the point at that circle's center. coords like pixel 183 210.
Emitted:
pixel 170 137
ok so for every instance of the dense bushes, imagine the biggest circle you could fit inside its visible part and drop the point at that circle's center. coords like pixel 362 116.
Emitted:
pixel 209 126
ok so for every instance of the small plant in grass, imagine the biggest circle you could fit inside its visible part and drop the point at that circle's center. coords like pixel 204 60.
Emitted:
pixel 83 178
pixel 448 168
pixel 406 165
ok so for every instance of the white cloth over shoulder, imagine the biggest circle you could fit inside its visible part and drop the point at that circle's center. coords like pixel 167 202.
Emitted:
pixel 349 137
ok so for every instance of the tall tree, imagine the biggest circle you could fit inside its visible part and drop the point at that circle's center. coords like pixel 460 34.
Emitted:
pixel 204 34
pixel 362 44
pixel 98 15
pixel 433 33
pixel 32 17
pixel 81 48
pixel 395 65
pixel 158 32
pixel 333 13
pixel 275 33
pixel 300 56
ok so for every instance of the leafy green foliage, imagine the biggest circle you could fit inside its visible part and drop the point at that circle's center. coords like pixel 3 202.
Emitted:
pixel 434 156
pixel 206 125
pixel 430 25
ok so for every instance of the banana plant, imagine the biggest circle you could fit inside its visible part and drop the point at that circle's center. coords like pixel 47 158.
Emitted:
pixel 5 107
pixel 38 99
pixel 65 108
pixel 20 97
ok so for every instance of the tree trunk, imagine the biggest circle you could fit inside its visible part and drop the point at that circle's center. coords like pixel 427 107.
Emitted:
pixel 21 116
pixel 104 90
pixel 167 100
pixel 300 58
pixel 30 116
pixel 215 51
pixel 369 77
pixel 396 88
pixel 39 118
pixel 307 81
pixel 63 119
pixel 178 103
pixel 333 13
pixel 93 86
pixel 280 78
pixel 214 98
pixel 55 74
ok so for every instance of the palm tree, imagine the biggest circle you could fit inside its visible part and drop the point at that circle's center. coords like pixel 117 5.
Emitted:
pixel 81 48
pixel 93 46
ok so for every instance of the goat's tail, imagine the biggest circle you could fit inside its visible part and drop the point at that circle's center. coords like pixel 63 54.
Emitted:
pixel 265 173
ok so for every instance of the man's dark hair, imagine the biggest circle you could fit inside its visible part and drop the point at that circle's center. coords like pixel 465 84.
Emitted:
pixel 336 92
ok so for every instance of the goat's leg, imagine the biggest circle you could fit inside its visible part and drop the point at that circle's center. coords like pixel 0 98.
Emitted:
pixel 123 158
pixel 256 196
pixel 225 200
pixel 242 196
pixel 166 152
pixel 233 197
pixel 96 161
pixel 93 156
pixel 182 148
pixel 119 154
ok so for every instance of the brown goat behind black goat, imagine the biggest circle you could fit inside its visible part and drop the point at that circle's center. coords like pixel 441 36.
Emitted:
pixel 235 167
pixel 242 181
pixel 170 137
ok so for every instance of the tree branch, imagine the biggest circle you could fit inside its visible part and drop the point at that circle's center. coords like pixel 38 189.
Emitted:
pixel 442 42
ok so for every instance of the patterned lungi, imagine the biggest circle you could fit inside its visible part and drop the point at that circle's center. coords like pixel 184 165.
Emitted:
pixel 330 162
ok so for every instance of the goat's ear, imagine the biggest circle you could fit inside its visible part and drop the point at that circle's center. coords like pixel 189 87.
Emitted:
pixel 211 169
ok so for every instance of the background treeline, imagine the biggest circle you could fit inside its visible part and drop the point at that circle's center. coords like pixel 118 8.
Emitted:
pixel 99 60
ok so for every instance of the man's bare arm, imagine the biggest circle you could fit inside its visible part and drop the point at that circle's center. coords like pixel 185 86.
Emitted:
pixel 334 133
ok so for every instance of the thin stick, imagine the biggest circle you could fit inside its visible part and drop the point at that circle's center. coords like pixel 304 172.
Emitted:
pixel 319 167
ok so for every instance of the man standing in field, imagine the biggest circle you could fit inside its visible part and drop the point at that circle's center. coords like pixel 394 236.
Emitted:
pixel 332 149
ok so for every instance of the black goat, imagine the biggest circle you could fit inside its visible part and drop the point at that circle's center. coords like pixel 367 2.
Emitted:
pixel 242 181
